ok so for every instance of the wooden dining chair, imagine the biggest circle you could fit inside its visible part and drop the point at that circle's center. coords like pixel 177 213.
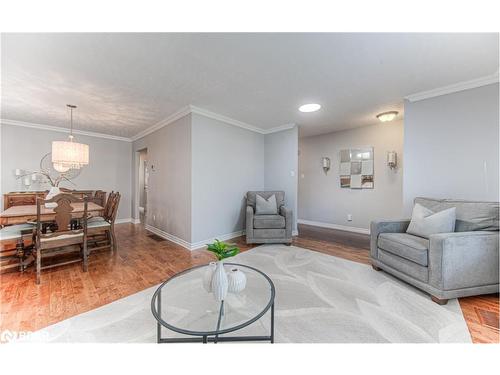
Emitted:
pixel 104 226
pixel 99 197
pixel 60 238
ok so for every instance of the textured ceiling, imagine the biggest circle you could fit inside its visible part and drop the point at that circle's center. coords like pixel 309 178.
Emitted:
pixel 124 83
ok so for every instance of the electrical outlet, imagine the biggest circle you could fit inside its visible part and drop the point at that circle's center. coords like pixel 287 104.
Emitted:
pixel 292 173
pixel 154 217
pixel 349 217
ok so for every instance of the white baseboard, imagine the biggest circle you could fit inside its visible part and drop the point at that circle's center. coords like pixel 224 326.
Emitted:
pixel 168 236
pixel 121 221
pixel 127 220
pixel 189 245
pixel 223 237
pixel 295 232
pixel 334 226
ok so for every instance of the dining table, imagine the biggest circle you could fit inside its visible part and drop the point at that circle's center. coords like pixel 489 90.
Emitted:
pixel 27 213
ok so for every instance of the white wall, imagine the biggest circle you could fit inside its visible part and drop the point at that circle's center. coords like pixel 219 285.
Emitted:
pixel 451 146
pixel 109 167
pixel 321 198
pixel 227 161
pixel 281 165
pixel 169 189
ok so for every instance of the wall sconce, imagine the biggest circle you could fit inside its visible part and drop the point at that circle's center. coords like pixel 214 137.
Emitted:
pixel 392 159
pixel 326 164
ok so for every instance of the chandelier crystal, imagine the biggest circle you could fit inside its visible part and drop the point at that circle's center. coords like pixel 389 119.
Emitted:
pixel 69 154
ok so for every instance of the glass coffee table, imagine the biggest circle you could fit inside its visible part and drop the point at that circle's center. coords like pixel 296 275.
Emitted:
pixel 183 306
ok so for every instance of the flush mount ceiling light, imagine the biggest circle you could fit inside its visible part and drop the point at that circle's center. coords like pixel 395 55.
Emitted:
pixel 387 116
pixel 312 107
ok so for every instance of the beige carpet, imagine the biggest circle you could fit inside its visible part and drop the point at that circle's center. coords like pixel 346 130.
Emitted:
pixel 319 298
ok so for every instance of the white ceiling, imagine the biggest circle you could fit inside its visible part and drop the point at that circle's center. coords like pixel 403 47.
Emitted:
pixel 124 83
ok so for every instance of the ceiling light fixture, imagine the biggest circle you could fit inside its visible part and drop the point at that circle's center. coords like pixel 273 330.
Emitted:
pixel 387 116
pixel 312 107
pixel 68 155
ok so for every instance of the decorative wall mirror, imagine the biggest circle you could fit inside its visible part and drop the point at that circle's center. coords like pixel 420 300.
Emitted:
pixel 356 168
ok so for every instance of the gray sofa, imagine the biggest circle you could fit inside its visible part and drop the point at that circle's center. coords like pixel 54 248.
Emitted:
pixel 268 228
pixel 447 265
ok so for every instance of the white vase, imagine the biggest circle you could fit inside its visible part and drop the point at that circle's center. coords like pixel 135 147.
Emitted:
pixel 207 277
pixel 54 190
pixel 219 282
pixel 236 280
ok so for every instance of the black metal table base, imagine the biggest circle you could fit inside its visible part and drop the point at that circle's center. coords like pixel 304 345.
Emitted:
pixel 215 339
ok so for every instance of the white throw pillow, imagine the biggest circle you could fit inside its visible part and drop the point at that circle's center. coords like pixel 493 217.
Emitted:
pixel 265 206
pixel 425 222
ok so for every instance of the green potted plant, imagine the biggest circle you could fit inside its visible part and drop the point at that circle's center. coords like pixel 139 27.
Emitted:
pixel 219 281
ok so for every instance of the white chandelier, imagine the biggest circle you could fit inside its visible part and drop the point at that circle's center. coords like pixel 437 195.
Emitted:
pixel 68 155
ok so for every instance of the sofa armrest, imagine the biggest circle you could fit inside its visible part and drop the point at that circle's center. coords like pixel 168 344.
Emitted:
pixel 288 214
pixel 385 226
pixel 463 259
pixel 249 222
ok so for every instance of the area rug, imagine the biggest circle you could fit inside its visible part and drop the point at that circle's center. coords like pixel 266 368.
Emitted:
pixel 319 298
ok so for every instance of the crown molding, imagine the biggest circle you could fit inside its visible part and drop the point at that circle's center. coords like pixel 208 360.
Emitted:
pixel 456 87
pixel 206 113
pixel 166 121
pixel 62 130
pixel 227 120
pixel 278 128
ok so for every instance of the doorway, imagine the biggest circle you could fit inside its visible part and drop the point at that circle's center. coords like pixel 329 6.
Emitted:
pixel 143 178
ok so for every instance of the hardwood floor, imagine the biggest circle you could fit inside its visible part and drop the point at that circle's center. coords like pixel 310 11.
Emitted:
pixel 144 260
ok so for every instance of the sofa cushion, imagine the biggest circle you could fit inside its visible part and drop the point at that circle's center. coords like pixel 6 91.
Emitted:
pixel 252 197
pixel 268 222
pixel 405 246
pixel 269 233
pixel 471 215
pixel 403 265
pixel 266 206
pixel 425 222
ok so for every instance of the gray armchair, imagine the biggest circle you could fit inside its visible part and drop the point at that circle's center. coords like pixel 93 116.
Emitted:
pixel 447 265
pixel 268 228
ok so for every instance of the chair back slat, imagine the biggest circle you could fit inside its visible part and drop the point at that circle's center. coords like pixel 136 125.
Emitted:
pixel 63 215
pixel 111 208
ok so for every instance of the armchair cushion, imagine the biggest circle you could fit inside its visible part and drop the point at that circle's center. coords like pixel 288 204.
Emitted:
pixel 268 222
pixel 406 246
pixel 425 222
pixel 266 206
pixel 471 215
pixel 252 197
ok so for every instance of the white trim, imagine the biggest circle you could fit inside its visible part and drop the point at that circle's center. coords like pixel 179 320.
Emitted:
pixel 135 221
pixel 168 236
pixel 278 128
pixel 62 130
pixel 334 226
pixel 121 221
pixel 188 245
pixel 223 237
pixel 456 87
pixel 295 232
pixel 160 124
pixel 227 120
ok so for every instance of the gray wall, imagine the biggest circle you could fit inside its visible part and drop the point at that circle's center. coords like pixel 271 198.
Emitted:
pixel 281 165
pixel 320 197
pixel 227 161
pixel 169 190
pixel 109 167
pixel 451 146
